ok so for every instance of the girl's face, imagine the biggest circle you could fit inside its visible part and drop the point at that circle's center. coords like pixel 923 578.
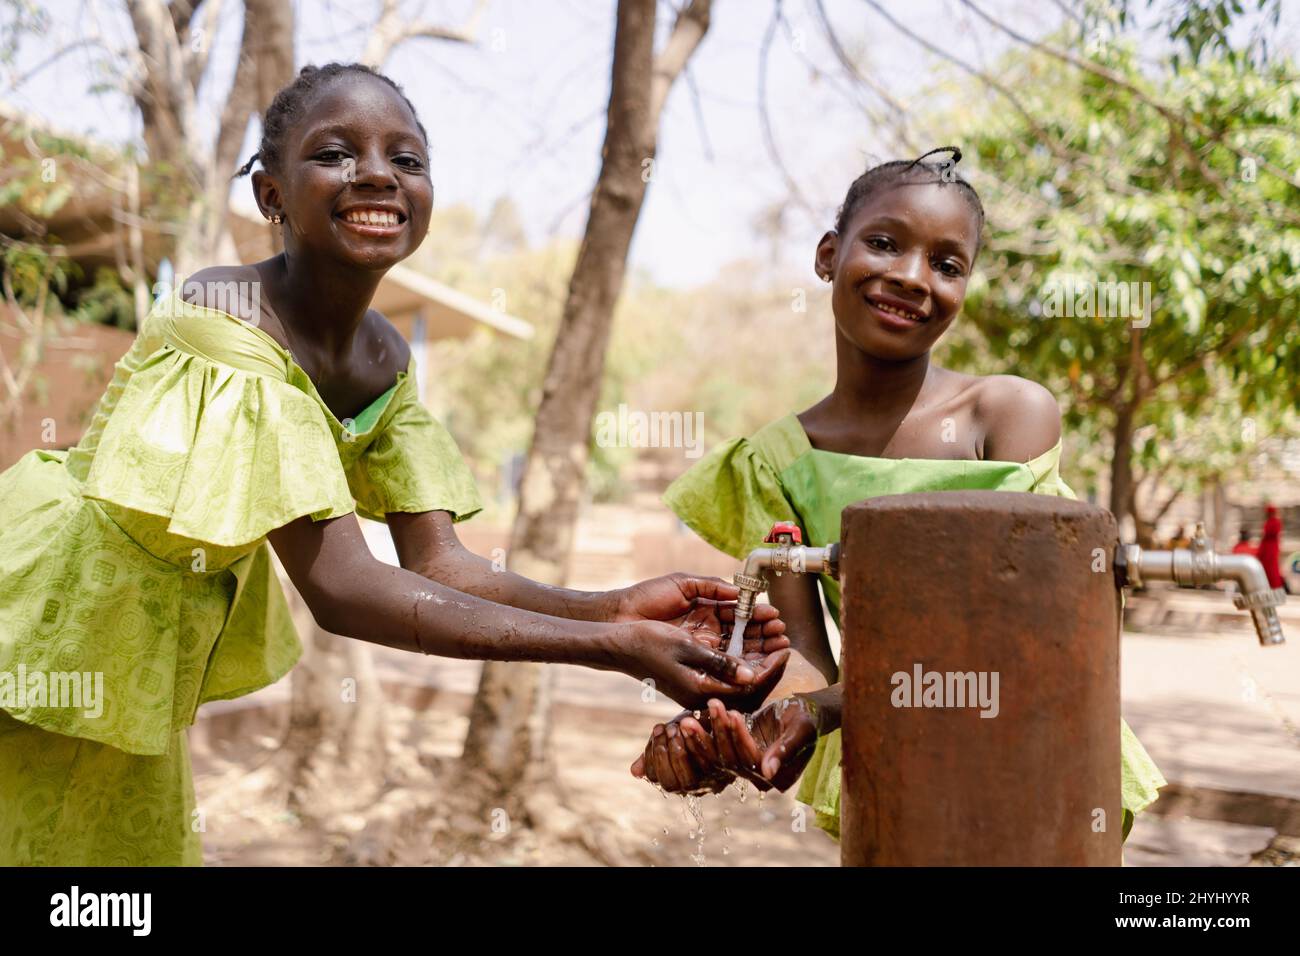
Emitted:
pixel 900 269
pixel 354 181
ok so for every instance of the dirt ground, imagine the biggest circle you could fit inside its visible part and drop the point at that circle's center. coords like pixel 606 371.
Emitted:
pixel 414 817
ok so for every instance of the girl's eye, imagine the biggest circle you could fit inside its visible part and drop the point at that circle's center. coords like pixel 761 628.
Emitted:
pixel 331 155
pixel 883 243
pixel 409 161
pixel 949 268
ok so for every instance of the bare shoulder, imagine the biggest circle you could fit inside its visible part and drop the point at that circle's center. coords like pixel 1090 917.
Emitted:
pixel 1020 419
pixel 235 290
pixel 385 346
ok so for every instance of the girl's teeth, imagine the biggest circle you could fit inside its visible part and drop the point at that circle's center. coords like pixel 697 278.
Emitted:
pixel 372 218
pixel 892 311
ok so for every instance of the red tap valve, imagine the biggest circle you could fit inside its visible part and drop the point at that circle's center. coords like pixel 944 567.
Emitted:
pixel 784 528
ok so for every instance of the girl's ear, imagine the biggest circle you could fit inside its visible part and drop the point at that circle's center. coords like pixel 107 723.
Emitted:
pixel 267 194
pixel 824 262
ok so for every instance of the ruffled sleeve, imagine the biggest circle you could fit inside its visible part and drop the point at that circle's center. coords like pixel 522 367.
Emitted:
pixel 1046 469
pixel 412 465
pixel 224 455
pixel 145 567
pixel 731 498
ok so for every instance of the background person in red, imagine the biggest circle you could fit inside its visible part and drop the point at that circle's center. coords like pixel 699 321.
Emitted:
pixel 1270 547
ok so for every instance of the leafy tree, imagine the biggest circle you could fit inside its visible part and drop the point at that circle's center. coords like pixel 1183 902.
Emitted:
pixel 1179 182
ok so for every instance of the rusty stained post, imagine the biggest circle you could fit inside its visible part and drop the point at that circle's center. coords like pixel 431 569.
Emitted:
pixel 990 582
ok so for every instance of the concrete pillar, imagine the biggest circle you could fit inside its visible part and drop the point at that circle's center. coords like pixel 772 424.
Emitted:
pixel 1009 594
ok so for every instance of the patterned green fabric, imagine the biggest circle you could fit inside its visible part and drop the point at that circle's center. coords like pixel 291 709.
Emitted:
pixel 65 801
pixel 141 555
pixel 733 495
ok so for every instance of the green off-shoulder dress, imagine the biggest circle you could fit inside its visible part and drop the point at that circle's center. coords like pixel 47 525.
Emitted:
pixel 140 555
pixel 734 494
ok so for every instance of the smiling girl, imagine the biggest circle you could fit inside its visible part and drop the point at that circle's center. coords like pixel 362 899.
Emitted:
pixel 141 554
pixel 898 261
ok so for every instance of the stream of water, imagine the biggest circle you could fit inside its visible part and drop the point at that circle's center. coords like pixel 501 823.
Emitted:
pixel 736 648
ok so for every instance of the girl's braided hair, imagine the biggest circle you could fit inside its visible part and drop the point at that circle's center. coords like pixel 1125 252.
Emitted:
pixel 286 109
pixel 918 171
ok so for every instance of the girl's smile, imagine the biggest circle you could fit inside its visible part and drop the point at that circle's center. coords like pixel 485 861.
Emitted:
pixel 895 313
pixel 372 219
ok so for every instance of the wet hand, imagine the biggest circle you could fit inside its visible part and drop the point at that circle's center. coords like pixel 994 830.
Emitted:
pixel 704 606
pixel 786 732
pixel 702 754
pixel 668 763
pixel 691 669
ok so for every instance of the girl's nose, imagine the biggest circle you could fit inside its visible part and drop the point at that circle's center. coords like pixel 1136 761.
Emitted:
pixel 373 169
pixel 909 273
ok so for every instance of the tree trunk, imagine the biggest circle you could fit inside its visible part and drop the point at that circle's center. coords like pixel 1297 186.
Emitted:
pixel 336 749
pixel 171 68
pixel 508 738
pixel 1121 466
pixel 266 64
pixel 1219 515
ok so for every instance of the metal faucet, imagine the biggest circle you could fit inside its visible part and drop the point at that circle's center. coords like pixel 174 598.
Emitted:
pixel 789 554
pixel 1200 565
pixel 1134 566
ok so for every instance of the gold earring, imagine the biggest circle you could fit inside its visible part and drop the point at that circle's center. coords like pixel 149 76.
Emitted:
pixel 276 219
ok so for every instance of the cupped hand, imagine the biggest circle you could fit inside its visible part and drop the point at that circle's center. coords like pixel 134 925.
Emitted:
pixel 702 754
pixel 691 670
pixel 706 606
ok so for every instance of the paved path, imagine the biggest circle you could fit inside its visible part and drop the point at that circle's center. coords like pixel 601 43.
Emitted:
pixel 1220 716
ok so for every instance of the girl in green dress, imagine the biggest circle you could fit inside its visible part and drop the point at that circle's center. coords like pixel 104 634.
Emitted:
pixel 898 261
pixel 269 403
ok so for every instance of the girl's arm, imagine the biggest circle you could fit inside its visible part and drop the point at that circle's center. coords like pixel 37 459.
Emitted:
pixel 427 544
pixel 812 665
pixel 350 592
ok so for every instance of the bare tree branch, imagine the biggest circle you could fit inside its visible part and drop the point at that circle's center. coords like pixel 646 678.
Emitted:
pixel 182 11
pixel 698 106
pixel 197 59
pixel 17 81
pixel 391 29
pixel 850 67
pixel 769 140
pixel 688 30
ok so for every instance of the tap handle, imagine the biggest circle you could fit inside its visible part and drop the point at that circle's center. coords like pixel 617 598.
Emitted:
pixel 784 528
